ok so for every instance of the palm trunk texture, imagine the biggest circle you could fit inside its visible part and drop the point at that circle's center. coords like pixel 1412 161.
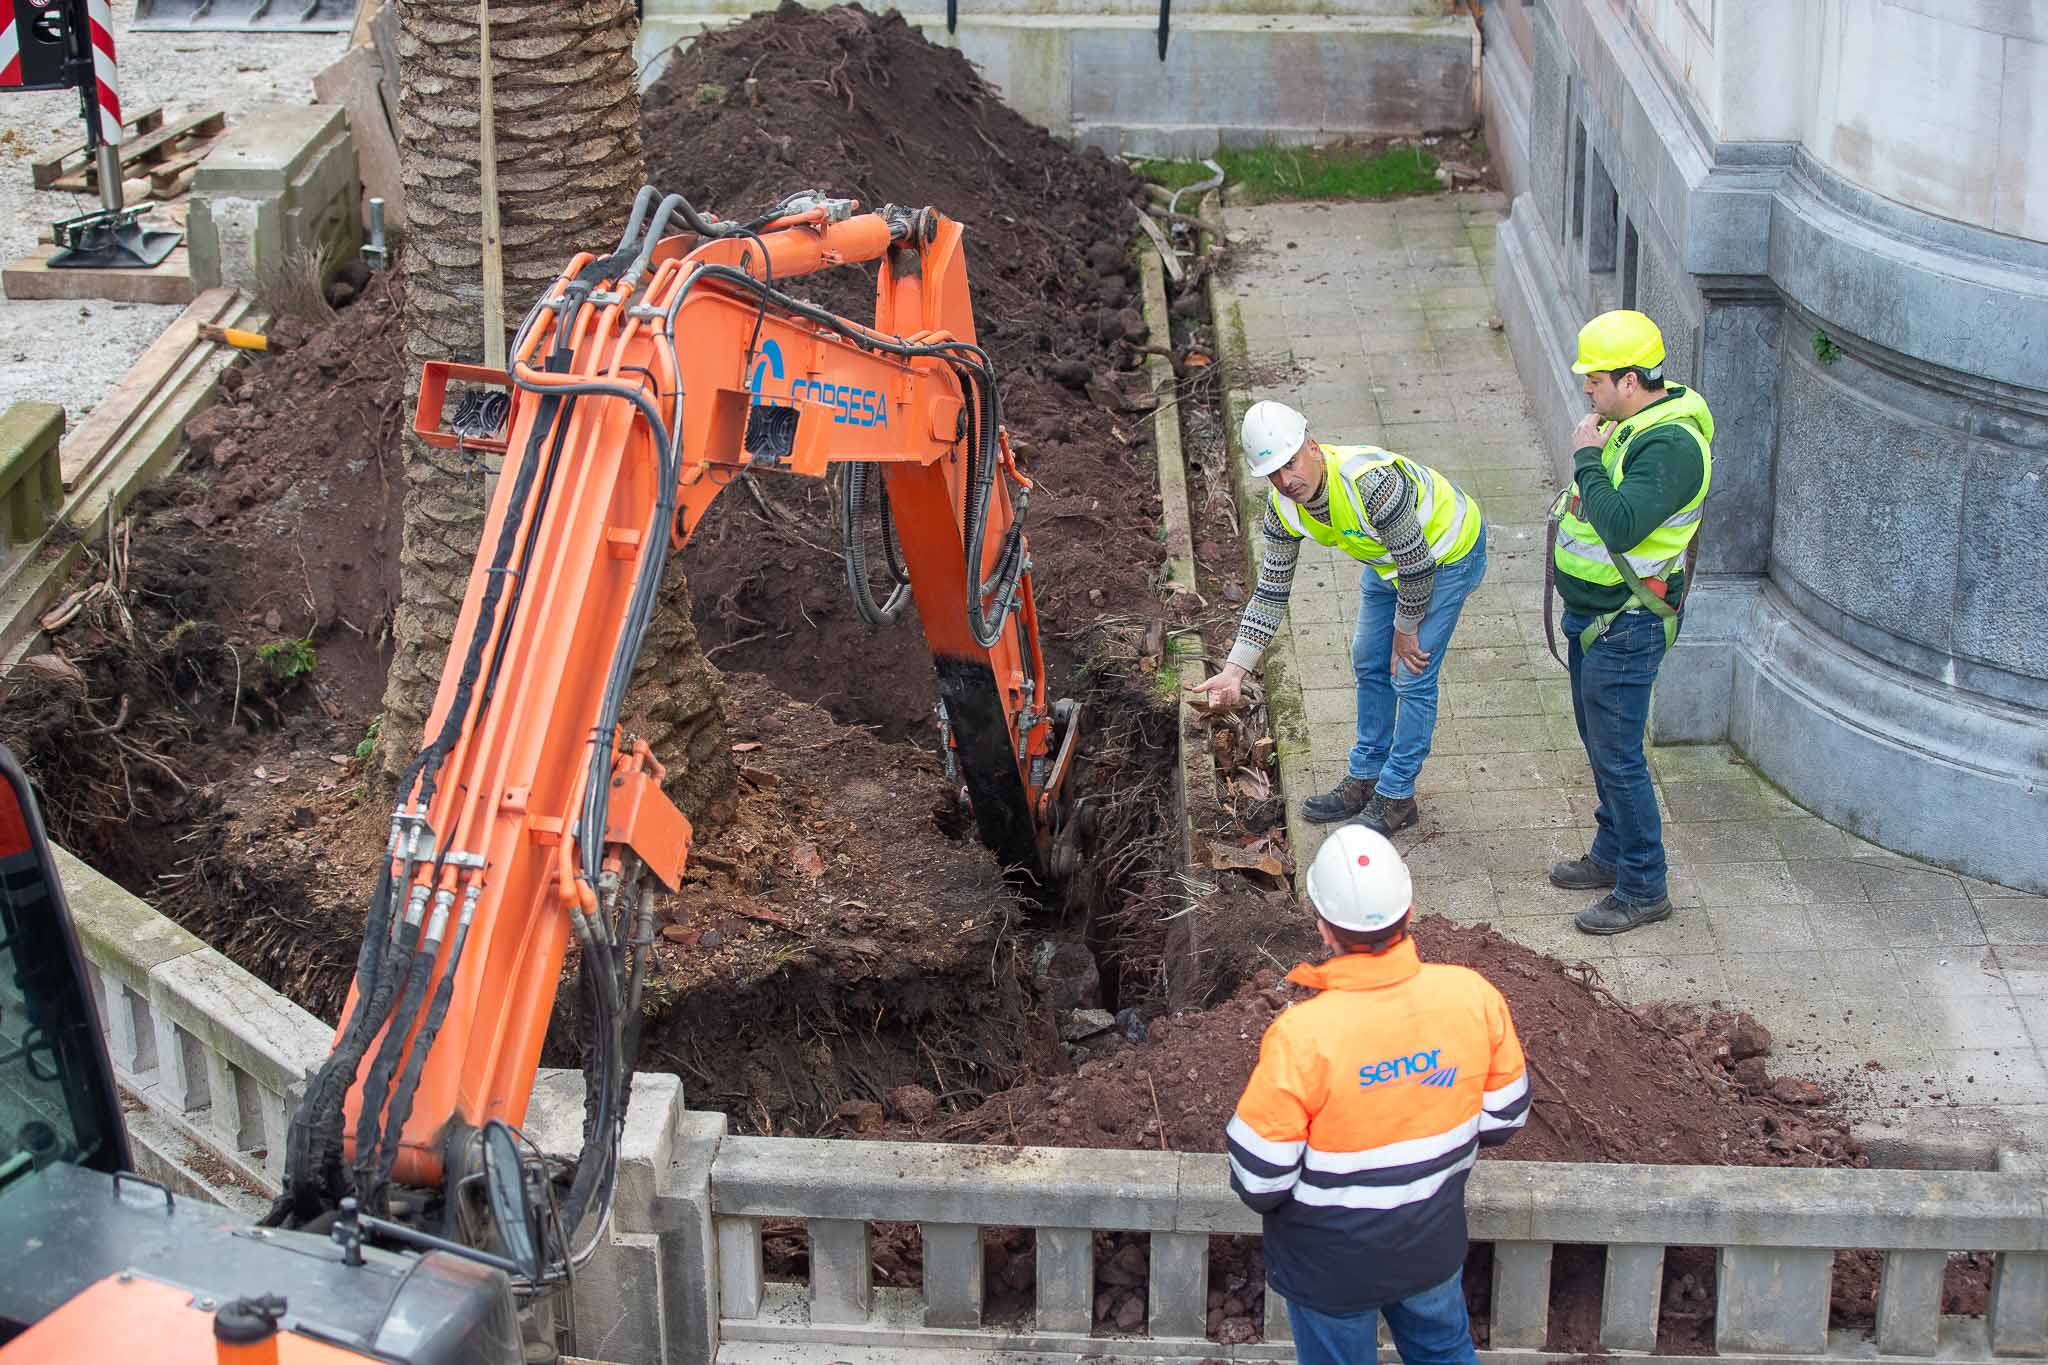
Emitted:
pixel 567 125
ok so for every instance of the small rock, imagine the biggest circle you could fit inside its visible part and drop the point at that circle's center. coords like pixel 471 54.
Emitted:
pixel 1108 326
pixel 1131 1315
pixel 1074 979
pixel 1748 1039
pixel 1215 1321
pixel 1132 325
pixel 862 1116
pixel 341 294
pixel 711 938
pixel 303 818
pixel 1106 257
pixel 1071 373
pixel 1494 323
pixel 1749 1073
pixel 1095 597
pixel 1132 1024
pixel 914 1103
pixel 1788 1090
pixel 1078 1024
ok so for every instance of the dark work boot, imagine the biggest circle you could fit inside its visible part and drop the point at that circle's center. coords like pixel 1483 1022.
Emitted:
pixel 1612 915
pixel 1581 874
pixel 1341 803
pixel 1389 813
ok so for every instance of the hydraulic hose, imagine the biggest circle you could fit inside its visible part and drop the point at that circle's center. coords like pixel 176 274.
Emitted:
pixel 853 488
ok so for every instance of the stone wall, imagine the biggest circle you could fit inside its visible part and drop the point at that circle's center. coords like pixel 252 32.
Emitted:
pixel 1869 621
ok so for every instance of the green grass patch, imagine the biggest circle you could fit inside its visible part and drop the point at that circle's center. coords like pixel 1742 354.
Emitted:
pixel 1342 171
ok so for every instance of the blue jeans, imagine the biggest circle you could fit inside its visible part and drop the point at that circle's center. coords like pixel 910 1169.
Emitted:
pixel 1429 1328
pixel 1397 715
pixel 1611 685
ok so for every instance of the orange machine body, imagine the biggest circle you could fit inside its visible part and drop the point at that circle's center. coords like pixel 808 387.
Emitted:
pixel 507 800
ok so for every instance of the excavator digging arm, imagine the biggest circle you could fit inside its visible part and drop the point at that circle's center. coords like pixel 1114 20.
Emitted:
pixel 642 385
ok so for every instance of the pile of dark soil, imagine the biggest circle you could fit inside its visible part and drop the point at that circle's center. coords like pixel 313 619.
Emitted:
pixel 1611 1082
pixel 859 104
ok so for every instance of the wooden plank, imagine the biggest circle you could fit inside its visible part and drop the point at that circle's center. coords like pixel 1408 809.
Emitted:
pixel 352 83
pixel 366 14
pixel 31 278
pixel 163 180
pixel 149 150
pixel 147 378
pixel 384 38
pixel 47 165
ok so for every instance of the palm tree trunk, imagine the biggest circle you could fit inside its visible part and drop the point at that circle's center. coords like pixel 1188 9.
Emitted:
pixel 566 108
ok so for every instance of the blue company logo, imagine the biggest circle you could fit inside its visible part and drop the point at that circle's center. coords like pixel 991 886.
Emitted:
pixel 1421 1064
pixel 852 405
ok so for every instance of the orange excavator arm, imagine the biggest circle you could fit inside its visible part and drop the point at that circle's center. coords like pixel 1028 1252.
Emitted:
pixel 642 385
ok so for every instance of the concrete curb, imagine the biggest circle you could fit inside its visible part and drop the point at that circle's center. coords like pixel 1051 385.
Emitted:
pixel 1285 713
pixel 1194 776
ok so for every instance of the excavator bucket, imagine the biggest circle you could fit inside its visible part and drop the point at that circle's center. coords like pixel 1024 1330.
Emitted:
pixel 252 16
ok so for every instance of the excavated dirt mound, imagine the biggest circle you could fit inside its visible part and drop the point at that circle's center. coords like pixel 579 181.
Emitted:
pixel 861 105
pixel 1611 1082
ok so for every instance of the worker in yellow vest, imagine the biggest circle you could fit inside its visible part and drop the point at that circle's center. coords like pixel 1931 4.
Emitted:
pixel 1424 542
pixel 1622 551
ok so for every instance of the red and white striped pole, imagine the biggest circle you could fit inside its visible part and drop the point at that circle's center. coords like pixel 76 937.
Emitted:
pixel 106 79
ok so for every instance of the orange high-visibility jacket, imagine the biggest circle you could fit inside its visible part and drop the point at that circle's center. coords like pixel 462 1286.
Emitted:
pixel 1362 1119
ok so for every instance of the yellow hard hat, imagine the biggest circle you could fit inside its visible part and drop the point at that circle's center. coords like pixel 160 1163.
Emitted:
pixel 1618 340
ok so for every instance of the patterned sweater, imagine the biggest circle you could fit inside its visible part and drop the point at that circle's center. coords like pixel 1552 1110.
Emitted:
pixel 1389 502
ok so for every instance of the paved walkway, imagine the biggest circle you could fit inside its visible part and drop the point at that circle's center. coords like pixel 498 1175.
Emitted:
pixel 1374 319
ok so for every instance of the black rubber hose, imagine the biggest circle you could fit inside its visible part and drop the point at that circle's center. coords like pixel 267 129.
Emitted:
pixel 854 479
pixel 415 1063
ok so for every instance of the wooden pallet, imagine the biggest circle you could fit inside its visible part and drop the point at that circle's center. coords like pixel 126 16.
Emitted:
pixel 52 163
pixel 145 153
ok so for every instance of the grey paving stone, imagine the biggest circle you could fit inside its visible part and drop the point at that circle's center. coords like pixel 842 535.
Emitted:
pixel 1899 924
pixel 1808 836
pixel 1896 882
pixel 1857 972
pixel 1953 971
pixel 1714 801
pixel 1828 880
pixel 1721 841
pixel 1687 933
pixel 2025 968
pixel 1762 928
pixel 1670 979
pixel 2002 1076
pixel 1736 885
pixel 1554 935
pixel 1977 1021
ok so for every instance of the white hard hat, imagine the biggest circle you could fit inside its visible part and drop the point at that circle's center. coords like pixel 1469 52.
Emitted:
pixel 1272 432
pixel 1358 881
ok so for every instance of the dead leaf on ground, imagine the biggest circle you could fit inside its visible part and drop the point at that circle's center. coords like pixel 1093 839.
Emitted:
pixel 807 860
pixel 1224 858
pixel 54 666
pixel 746 746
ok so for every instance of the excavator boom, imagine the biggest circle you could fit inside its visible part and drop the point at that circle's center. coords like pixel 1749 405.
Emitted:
pixel 642 385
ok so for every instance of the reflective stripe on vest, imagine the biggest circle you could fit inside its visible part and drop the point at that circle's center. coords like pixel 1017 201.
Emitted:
pixel 1451 521
pixel 1578 549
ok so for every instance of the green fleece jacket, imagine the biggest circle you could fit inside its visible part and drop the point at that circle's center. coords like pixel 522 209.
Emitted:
pixel 1664 470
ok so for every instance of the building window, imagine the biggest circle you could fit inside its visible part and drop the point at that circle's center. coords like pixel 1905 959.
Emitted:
pixel 1578 183
pixel 1628 264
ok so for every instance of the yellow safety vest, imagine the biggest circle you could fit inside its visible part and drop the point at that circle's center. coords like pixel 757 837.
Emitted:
pixel 1578 550
pixel 1451 521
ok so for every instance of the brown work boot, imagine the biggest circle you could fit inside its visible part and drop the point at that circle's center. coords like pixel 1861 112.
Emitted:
pixel 1389 814
pixel 1342 802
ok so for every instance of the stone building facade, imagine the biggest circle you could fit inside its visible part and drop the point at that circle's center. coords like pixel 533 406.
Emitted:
pixel 1837 212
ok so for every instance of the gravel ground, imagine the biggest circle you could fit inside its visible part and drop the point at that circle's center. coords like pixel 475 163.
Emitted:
pixel 75 352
